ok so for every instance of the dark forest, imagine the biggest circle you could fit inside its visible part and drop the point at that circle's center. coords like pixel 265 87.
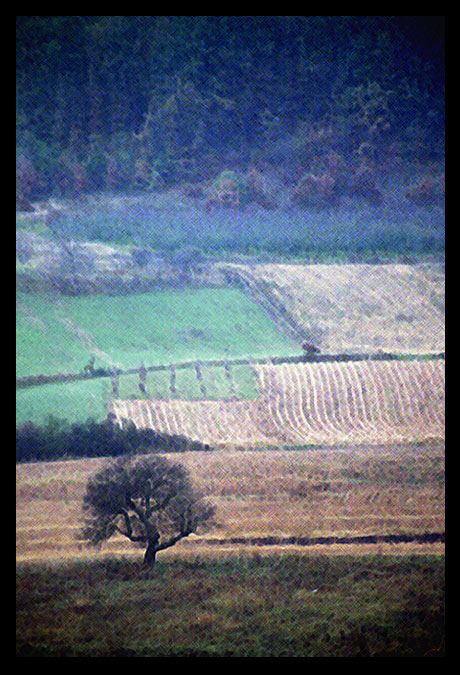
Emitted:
pixel 124 103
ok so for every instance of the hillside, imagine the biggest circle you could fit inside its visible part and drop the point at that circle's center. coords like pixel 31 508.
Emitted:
pixel 367 402
pixel 354 308
pixel 123 102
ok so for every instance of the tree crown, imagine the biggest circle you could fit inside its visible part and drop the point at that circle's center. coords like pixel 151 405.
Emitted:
pixel 147 499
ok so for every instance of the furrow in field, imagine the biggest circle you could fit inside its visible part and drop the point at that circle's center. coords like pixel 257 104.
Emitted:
pixel 289 396
pixel 316 407
pixel 429 394
pixel 408 412
pixel 330 398
pixel 434 386
pixel 302 401
pixel 381 413
pixel 271 396
pixel 341 388
pixel 312 403
pixel 354 397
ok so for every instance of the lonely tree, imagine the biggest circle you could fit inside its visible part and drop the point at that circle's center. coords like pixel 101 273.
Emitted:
pixel 148 499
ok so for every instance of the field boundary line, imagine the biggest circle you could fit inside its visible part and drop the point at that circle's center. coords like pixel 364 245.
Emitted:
pixel 59 378
pixel 422 538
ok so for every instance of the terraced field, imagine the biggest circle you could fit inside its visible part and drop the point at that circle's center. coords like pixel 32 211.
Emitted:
pixel 311 403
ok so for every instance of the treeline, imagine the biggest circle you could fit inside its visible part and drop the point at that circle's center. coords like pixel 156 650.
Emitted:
pixel 124 102
pixel 58 440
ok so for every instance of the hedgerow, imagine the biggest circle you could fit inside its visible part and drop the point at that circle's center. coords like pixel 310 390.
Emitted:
pixel 57 439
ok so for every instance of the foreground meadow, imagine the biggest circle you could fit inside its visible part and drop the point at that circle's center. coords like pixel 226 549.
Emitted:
pixel 239 606
pixel 219 594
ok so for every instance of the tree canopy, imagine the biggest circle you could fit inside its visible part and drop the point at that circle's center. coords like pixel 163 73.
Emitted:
pixel 148 499
pixel 117 101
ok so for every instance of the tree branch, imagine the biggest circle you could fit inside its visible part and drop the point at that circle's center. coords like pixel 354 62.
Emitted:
pixel 132 537
pixel 127 519
pixel 128 532
pixel 140 514
pixel 172 541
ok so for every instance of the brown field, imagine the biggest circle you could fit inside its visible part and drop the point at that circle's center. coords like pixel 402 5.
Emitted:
pixel 335 491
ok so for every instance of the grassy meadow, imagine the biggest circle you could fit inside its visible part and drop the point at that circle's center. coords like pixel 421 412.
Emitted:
pixel 239 606
pixel 156 328
pixel 84 399
pixel 71 401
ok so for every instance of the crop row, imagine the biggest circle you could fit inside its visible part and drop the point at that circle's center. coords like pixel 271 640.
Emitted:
pixel 213 422
pixel 353 402
pixel 310 403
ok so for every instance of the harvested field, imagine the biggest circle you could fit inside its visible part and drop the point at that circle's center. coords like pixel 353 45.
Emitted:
pixel 391 489
pixel 214 422
pixel 311 403
pixel 354 308
pixel 360 401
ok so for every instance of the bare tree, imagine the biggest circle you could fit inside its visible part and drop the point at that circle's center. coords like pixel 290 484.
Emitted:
pixel 146 498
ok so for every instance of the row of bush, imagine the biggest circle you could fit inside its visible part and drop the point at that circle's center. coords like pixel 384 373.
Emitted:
pixel 57 440
pixel 42 171
pixel 321 179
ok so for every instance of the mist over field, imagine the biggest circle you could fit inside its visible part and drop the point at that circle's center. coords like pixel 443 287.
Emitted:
pixel 288 136
pixel 171 221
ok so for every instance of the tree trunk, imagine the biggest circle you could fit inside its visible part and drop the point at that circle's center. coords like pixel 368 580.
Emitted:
pixel 150 554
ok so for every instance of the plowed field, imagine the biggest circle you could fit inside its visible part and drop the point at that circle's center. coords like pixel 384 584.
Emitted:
pixel 311 403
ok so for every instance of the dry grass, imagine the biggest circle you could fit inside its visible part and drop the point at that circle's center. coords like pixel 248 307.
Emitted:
pixel 283 604
pixel 359 307
pixel 310 492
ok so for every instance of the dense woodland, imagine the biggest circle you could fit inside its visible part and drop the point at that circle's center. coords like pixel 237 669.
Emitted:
pixel 124 103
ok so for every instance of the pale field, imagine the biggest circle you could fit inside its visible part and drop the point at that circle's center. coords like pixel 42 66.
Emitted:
pixel 356 490
pixel 302 404
pixel 347 308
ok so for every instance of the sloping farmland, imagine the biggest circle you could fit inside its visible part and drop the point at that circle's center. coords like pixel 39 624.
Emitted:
pixel 356 402
pixel 353 308
pixel 215 422
pixel 311 403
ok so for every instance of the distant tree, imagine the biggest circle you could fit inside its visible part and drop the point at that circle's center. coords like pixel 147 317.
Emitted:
pixel 149 500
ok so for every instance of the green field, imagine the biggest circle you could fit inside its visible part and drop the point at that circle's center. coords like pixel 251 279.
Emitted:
pixel 73 401
pixel 240 606
pixel 56 334
pixel 78 401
